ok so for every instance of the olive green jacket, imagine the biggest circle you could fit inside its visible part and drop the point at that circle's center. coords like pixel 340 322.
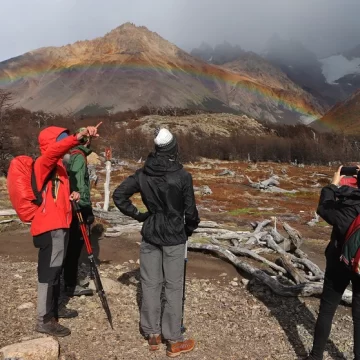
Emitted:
pixel 79 175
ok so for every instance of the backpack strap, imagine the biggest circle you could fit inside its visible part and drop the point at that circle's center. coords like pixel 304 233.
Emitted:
pixel 38 194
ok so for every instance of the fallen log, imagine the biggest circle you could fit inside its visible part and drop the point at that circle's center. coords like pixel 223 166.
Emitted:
pixel 255 256
pixel 305 289
pixel 255 238
pixel 250 254
pixel 295 237
pixel 260 225
pixel 310 265
pixel 314 221
pixel 277 236
pixel 301 254
pixel 7 212
pixel 273 245
pixel 292 270
pixel 8 221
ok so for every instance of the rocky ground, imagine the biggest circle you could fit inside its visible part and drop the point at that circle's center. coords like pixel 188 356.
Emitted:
pixel 229 317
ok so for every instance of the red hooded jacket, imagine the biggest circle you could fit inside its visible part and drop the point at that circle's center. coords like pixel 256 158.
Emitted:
pixel 53 213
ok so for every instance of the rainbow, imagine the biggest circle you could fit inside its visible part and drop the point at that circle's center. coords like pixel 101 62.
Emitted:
pixel 205 72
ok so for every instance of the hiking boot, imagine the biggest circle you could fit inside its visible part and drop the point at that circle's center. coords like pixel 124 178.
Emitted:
pixel 78 291
pixel 65 313
pixel 154 341
pixel 52 328
pixel 181 347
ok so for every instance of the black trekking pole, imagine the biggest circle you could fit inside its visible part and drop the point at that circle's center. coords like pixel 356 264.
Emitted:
pixel 183 328
pixel 93 269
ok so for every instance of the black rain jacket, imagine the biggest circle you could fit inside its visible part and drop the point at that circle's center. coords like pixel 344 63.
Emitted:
pixel 167 191
pixel 338 206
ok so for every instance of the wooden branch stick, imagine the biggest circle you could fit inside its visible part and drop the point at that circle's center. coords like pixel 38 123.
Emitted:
pixel 294 236
pixel 291 269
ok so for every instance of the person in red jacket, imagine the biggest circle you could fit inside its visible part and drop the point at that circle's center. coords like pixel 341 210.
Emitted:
pixel 50 226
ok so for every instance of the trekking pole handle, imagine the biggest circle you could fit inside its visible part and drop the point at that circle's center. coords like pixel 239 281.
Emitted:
pixel 75 205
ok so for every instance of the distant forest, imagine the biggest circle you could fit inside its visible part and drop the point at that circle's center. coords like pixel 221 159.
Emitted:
pixel 281 143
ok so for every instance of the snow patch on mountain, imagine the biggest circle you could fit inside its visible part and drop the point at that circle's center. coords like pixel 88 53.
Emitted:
pixel 338 66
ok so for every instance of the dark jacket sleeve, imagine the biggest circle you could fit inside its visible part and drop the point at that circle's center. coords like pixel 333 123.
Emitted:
pixel 124 192
pixel 192 219
pixel 328 208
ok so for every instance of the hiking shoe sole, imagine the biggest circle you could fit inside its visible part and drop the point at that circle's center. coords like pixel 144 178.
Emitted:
pixel 154 347
pixel 172 355
pixel 60 334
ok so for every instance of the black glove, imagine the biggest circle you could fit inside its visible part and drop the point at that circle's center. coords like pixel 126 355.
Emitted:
pixel 188 232
pixel 88 215
pixel 141 217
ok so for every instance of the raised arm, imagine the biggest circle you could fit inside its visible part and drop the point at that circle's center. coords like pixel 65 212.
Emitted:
pixel 55 151
pixel 48 160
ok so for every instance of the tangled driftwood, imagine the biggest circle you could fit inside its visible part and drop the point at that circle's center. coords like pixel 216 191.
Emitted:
pixel 289 270
pixel 270 185
pixel 291 274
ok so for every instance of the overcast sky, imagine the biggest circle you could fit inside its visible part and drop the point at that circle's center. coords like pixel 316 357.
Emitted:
pixel 325 26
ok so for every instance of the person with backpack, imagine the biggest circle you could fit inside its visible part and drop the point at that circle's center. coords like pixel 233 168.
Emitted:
pixel 339 206
pixel 167 191
pixel 79 182
pixel 50 214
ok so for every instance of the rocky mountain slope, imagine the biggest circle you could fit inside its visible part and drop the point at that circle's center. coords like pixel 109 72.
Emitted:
pixel 264 72
pixel 343 117
pixel 132 66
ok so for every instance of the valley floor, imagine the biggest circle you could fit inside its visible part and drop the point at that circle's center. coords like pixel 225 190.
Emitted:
pixel 228 317
pixel 228 322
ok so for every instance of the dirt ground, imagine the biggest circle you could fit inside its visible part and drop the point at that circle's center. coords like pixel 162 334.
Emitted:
pixel 245 321
pixel 116 251
pixel 229 317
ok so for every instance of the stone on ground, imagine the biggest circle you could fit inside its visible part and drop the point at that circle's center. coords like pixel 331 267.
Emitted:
pixel 46 348
pixel 110 286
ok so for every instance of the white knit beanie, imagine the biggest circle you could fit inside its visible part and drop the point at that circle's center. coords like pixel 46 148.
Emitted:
pixel 164 140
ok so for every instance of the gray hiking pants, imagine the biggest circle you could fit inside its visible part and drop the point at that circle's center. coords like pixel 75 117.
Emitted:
pixel 162 266
pixel 52 247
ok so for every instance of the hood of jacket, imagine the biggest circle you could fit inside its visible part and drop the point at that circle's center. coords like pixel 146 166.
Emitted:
pixel 48 136
pixel 159 164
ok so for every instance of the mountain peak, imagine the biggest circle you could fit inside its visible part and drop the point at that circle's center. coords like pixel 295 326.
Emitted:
pixel 129 27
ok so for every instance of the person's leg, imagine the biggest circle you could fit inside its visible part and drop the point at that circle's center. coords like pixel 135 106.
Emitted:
pixel 173 265
pixel 337 278
pixel 71 263
pixel 51 246
pixel 356 314
pixel 151 284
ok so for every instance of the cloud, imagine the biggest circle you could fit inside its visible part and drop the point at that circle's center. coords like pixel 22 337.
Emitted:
pixel 325 26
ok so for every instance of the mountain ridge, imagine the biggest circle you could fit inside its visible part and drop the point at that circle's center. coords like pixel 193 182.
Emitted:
pixel 132 66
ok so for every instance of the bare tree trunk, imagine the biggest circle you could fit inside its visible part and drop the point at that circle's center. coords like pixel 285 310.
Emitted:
pixel 107 186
